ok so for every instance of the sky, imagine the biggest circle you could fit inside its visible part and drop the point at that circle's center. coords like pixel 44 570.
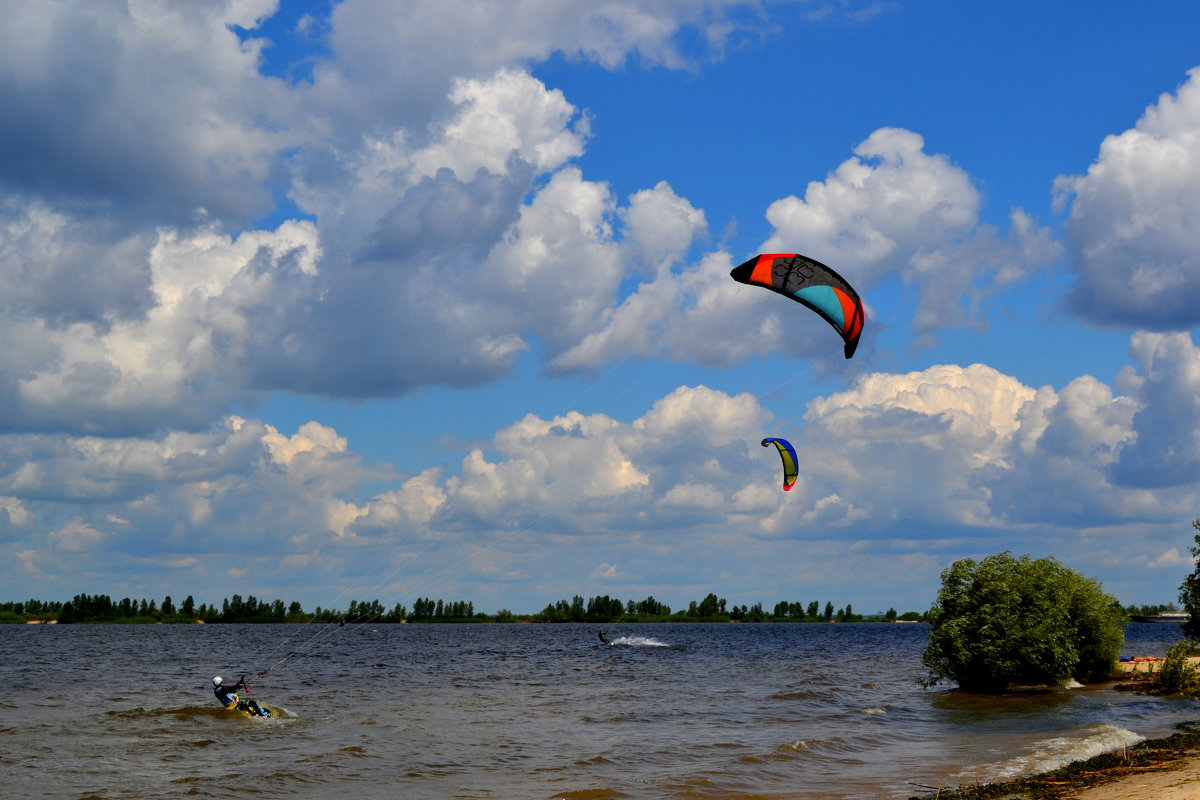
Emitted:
pixel 324 301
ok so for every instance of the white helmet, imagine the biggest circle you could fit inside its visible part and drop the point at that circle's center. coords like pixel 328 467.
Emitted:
pixel 217 681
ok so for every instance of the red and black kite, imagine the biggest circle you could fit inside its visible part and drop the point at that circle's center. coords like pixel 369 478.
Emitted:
pixel 811 283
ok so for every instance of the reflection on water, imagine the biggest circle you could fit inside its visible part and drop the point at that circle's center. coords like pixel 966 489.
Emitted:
pixel 529 711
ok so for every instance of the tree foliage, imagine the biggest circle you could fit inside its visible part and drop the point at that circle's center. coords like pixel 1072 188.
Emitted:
pixel 1189 591
pixel 1177 675
pixel 1008 621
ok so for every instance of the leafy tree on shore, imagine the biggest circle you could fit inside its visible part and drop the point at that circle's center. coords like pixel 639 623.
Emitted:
pixel 1189 591
pixel 1006 620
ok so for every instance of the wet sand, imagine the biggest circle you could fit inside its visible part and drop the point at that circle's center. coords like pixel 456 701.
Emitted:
pixel 1177 779
pixel 1181 782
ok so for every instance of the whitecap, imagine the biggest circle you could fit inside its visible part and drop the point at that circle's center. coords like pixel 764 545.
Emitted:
pixel 1058 751
pixel 638 641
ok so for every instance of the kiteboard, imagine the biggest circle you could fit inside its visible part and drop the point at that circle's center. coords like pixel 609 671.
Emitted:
pixel 248 712
pixel 267 711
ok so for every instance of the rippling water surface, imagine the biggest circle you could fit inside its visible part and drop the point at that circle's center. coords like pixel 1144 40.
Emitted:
pixel 529 711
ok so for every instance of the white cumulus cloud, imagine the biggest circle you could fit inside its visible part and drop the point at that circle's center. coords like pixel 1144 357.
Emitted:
pixel 892 209
pixel 895 209
pixel 1131 231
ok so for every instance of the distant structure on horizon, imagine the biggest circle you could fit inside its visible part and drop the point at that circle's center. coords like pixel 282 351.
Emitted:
pixel 1170 616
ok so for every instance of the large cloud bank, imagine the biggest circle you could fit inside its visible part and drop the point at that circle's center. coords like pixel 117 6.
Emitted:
pixel 895 461
pixel 430 222
pixel 443 230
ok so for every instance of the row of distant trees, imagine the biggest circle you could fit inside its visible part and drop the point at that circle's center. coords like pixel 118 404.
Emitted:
pixel 710 609
pixel 1151 610
pixel 604 609
pixel 102 608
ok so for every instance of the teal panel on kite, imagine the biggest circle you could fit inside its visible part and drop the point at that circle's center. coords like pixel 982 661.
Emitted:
pixel 787 454
pixel 811 283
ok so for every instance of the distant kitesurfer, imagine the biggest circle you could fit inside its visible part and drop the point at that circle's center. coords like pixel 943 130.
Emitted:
pixel 227 696
pixel 603 638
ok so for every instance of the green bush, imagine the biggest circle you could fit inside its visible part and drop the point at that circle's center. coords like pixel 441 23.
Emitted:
pixel 1006 621
pixel 1177 675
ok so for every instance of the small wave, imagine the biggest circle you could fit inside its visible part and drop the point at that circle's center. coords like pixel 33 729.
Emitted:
pixel 592 762
pixel 591 794
pixel 798 746
pixel 193 713
pixel 821 695
pixel 184 713
pixel 638 641
pixel 843 749
pixel 1050 754
pixel 874 711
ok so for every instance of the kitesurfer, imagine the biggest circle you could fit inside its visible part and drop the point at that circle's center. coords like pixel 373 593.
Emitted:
pixel 227 696
pixel 603 638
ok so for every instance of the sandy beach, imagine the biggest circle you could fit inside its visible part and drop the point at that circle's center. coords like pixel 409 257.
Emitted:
pixel 1180 782
pixel 1177 778
pixel 1149 664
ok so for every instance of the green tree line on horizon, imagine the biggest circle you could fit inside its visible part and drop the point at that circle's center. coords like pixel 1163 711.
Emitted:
pixel 99 608
pixel 84 608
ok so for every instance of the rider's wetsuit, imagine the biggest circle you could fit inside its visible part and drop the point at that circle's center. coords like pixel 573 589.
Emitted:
pixel 227 696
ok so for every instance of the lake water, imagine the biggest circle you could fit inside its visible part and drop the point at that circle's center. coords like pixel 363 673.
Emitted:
pixel 529 711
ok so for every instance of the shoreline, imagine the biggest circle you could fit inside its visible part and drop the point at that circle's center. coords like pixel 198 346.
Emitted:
pixel 1149 664
pixel 1153 769
pixel 1166 768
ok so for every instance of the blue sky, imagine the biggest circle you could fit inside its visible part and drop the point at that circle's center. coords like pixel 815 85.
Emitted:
pixel 325 301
